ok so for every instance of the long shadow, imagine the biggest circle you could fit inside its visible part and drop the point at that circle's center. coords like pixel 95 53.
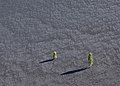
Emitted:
pixel 74 71
pixel 47 60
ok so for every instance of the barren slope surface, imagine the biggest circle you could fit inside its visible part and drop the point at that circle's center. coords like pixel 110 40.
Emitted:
pixel 30 30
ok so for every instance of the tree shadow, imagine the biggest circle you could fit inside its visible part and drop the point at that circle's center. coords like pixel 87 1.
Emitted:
pixel 49 60
pixel 74 71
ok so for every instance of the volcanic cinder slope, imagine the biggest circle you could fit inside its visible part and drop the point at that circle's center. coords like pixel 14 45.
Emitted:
pixel 30 30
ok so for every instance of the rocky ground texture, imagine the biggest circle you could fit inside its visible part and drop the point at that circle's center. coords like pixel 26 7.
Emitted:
pixel 30 30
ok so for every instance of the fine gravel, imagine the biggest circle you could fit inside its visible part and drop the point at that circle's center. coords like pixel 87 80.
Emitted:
pixel 31 30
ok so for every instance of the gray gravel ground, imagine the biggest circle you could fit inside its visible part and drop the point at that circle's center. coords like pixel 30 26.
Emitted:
pixel 30 30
